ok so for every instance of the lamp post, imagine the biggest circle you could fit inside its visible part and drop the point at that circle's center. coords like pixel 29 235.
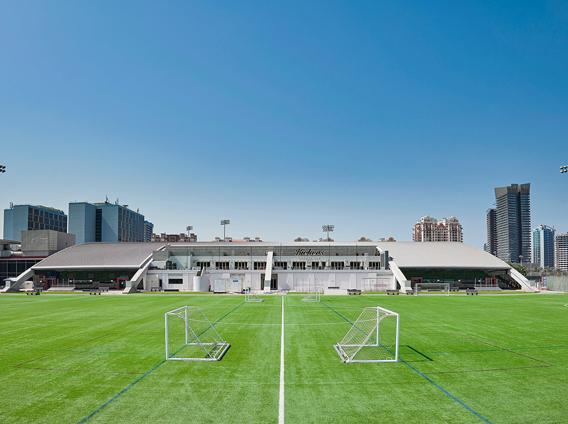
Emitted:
pixel 564 169
pixel 328 228
pixel 224 223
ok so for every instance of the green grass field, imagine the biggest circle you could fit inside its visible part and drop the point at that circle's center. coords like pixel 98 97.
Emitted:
pixel 464 359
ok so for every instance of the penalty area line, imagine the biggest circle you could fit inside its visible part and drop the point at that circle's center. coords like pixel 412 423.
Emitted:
pixel 425 377
pixel 141 378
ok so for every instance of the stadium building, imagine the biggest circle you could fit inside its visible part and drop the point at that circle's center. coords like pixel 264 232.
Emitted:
pixel 335 267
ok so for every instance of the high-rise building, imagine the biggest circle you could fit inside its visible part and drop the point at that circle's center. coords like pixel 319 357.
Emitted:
pixel 513 222
pixel 148 230
pixel 105 222
pixel 562 251
pixel 429 229
pixel 449 229
pixel 491 246
pixel 28 217
pixel 543 246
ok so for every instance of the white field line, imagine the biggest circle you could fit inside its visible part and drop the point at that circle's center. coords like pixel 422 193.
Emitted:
pixel 281 400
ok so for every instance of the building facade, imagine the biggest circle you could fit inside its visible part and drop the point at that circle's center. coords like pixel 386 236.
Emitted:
pixel 173 238
pixel 428 229
pixel 562 251
pixel 20 218
pixel 491 246
pixel 148 231
pixel 105 222
pixel 513 221
pixel 543 246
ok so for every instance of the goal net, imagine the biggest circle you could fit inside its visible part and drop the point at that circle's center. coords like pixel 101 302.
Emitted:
pixel 191 337
pixel 372 338
pixel 313 295
pixel 251 297
pixel 432 288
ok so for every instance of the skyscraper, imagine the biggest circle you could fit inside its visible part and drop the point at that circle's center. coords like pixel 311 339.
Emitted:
pixel 513 222
pixel 148 230
pixel 491 246
pixel 562 252
pixel 543 246
pixel 105 222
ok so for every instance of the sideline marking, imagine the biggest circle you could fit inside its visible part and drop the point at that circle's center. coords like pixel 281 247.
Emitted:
pixel 281 400
pixel 140 379
pixel 424 377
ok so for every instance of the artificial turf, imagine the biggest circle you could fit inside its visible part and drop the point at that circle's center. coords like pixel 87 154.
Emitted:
pixel 463 359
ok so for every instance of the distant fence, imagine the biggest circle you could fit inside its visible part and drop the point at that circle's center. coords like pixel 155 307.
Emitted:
pixel 557 283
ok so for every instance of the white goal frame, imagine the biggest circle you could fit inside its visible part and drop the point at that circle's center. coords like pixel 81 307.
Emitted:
pixel 365 342
pixel 437 287
pixel 211 347
pixel 251 297
pixel 314 295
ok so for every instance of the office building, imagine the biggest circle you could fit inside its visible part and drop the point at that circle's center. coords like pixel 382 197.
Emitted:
pixel 173 238
pixel 491 245
pixel 429 229
pixel 562 252
pixel 105 222
pixel 148 230
pixel 513 222
pixel 20 218
pixel 543 246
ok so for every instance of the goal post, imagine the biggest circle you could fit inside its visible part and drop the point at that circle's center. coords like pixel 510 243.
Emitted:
pixel 251 297
pixel 432 288
pixel 373 337
pixel 190 336
pixel 313 295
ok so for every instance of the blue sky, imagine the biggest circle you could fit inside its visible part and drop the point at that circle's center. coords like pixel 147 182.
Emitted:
pixel 284 116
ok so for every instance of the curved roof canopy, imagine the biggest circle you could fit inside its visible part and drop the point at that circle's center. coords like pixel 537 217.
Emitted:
pixel 100 255
pixel 440 255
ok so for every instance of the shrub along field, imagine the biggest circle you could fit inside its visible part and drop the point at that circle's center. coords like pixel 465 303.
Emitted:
pixel 70 358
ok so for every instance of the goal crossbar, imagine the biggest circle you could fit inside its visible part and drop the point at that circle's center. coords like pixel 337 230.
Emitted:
pixel 373 337
pixel 190 336
pixel 314 295
pixel 432 288
pixel 251 297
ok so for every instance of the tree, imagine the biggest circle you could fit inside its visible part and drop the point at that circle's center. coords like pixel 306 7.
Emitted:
pixel 520 268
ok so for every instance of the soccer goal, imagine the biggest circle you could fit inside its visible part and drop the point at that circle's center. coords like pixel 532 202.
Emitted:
pixel 251 297
pixel 372 338
pixel 191 337
pixel 313 295
pixel 432 288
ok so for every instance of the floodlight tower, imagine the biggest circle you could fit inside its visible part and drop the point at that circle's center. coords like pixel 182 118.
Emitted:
pixel 188 229
pixel 564 169
pixel 224 223
pixel 328 228
pixel 2 169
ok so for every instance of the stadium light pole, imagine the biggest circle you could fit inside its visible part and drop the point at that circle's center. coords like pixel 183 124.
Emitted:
pixel 2 169
pixel 564 169
pixel 327 228
pixel 224 223
pixel 188 229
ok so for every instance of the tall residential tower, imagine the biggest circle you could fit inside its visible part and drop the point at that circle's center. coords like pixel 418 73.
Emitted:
pixel 513 222
pixel 543 246
pixel 491 246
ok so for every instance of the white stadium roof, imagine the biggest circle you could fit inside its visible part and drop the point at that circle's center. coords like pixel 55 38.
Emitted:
pixel 100 255
pixel 440 255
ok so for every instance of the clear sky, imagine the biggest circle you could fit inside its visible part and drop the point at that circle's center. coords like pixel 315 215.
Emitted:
pixel 284 116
